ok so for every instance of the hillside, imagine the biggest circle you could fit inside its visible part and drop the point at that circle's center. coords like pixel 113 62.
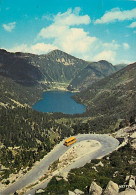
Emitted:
pixel 92 73
pixel 18 69
pixel 120 66
pixel 56 66
pixel 112 98
pixel 13 94
pixel 52 69
pixel 22 74
pixel 26 135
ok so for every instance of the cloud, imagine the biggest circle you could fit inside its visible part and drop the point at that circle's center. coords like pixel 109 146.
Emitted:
pixel 126 46
pixel 66 32
pixel 106 55
pixel 66 35
pixel 98 52
pixel 71 18
pixel 113 45
pixel 42 48
pixel 116 15
pixel 39 48
pixel 132 25
pixel 9 27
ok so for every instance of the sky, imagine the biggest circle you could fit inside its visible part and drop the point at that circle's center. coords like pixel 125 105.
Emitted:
pixel 88 29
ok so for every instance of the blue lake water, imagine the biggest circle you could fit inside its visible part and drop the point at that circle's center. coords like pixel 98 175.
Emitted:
pixel 59 101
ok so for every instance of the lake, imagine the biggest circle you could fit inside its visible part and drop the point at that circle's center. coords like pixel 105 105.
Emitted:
pixel 59 101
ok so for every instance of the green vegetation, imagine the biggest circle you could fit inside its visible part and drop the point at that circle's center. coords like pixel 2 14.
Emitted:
pixel 116 167
pixel 92 73
pixel 111 99
pixel 25 137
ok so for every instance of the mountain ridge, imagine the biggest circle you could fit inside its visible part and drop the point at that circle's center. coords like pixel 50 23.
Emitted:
pixel 113 95
pixel 35 73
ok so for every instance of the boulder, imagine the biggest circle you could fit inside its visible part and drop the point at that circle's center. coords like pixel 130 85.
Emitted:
pixel 71 193
pixel 132 181
pixel 64 175
pixel 112 188
pixel 78 192
pixel 127 178
pixel 58 178
pixel 100 164
pixel 128 192
pixel 39 191
pixel 95 189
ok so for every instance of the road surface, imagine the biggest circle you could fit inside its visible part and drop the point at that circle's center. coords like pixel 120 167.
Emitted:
pixel 108 143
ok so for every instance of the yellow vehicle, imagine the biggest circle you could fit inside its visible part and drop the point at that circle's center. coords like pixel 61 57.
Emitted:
pixel 70 141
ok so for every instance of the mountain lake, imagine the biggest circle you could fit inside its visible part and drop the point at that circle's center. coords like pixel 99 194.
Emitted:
pixel 59 101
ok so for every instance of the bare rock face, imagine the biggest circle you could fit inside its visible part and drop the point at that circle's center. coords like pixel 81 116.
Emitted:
pixel 112 188
pixel 128 192
pixel 132 181
pixel 78 192
pixel 71 193
pixel 64 175
pixel 95 189
pixel 39 191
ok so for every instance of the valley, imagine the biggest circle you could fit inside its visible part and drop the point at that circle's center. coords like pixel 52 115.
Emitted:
pixel 26 135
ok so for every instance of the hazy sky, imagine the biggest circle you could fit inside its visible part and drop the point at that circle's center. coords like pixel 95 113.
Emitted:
pixel 88 29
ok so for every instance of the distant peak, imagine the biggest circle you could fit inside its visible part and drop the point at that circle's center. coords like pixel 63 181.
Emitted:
pixel 59 53
pixel 104 62
pixel 3 51
pixel 56 51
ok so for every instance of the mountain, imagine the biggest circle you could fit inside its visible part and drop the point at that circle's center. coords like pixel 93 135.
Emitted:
pixel 56 66
pixel 24 68
pixel 92 73
pixel 22 74
pixel 18 68
pixel 113 96
pixel 26 136
pixel 120 66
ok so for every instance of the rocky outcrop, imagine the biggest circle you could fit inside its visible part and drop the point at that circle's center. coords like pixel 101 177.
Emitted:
pixel 100 164
pixel 95 189
pixel 71 193
pixel 132 181
pixel 112 188
pixel 128 192
pixel 76 192
pixel 39 191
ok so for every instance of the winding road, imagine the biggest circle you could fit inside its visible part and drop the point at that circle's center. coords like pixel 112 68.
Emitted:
pixel 108 144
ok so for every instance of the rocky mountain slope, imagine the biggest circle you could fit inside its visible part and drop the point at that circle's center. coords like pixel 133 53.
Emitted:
pixel 25 68
pixel 113 95
pixel 18 69
pixel 92 73
pixel 23 77
pixel 56 66
pixel 22 74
